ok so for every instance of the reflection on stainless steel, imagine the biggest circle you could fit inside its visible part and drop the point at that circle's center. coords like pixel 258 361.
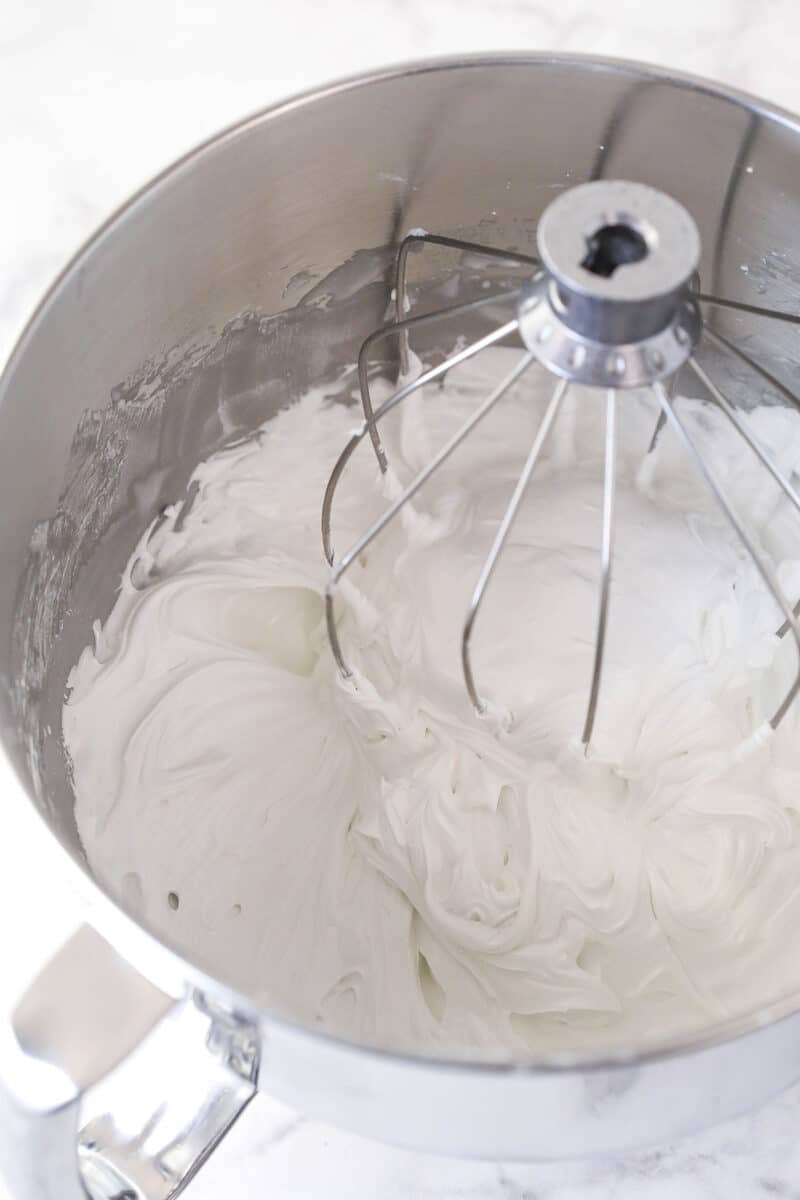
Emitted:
pixel 613 131
pixel 134 368
pixel 738 169
pixel 145 1140
pixel 112 1087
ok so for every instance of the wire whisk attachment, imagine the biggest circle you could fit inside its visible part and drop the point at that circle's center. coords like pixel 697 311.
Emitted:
pixel 612 303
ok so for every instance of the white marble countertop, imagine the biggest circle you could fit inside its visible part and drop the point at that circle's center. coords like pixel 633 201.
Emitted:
pixel 95 96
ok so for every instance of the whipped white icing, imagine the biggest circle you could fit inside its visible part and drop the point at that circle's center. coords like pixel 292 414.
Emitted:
pixel 371 855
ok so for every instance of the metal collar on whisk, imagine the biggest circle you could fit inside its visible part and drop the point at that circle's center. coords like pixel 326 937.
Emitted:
pixel 613 305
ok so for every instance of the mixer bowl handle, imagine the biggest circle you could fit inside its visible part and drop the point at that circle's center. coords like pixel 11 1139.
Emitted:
pixel 111 1088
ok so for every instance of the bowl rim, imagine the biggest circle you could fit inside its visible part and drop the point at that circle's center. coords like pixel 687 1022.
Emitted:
pixel 159 960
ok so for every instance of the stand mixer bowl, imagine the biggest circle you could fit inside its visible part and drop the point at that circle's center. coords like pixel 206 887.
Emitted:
pixel 254 267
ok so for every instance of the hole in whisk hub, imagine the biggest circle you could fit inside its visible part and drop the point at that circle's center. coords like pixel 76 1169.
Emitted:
pixel 613 246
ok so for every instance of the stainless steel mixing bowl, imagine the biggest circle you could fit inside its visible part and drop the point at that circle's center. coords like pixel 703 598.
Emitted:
pixel 253 266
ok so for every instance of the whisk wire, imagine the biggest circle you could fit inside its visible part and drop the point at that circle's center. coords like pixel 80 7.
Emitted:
pixel 606 551
pixel 401 328
pixel 432 239
pixel 500 539
pixel 603 307
pixel 720 341
pixel 412 240
pixel 489 339
pixel 763 568
pixel 763 458
pixel 378 526
pixel 730 412
pixel 754 310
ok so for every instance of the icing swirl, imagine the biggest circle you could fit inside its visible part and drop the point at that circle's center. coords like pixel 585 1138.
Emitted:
pixel 371 855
